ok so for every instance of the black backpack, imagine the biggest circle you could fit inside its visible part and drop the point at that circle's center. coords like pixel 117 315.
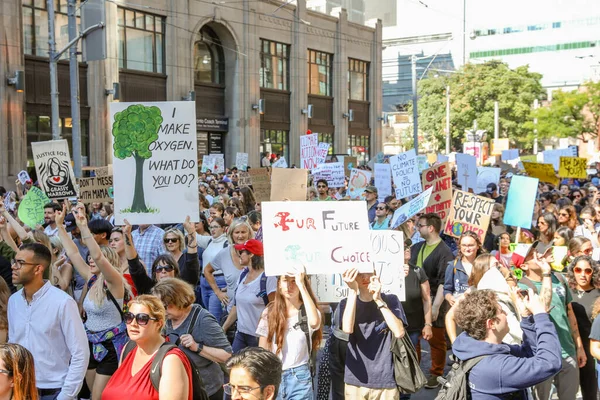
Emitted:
pixel 198 390
pixel 456 384
pixel 263 286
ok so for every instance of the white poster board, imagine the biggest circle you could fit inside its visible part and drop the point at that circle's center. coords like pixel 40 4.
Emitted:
pixel 208 163
pixel 509 154
pixel 309 145
pixel 333 173
pixel 241 161
pixel 219 160
pixel 154 164
pixel 321 236
pixel 53 166
pixel 553 156
pixel 485 176
pixel 422 163
pixel 402 214
pixel 23 177
pixel 405 173
pixel 387 254
pixel 359 180
pixel 281 163
pixel 322 151
pixel 466 166
pixel 383 181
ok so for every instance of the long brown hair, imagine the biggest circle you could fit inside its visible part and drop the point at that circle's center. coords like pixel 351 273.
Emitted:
pixel 18 361
pixel 480 266
pixel 4 295
pixel 277 318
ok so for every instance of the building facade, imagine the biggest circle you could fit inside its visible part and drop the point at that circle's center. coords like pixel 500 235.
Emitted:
pixel 252 67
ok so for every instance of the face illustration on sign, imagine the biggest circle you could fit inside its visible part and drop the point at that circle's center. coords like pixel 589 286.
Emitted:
pixel 56 172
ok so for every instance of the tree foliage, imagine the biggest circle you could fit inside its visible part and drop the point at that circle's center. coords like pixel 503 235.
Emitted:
pixel 473 90
pixel 573 114
pixel 134 129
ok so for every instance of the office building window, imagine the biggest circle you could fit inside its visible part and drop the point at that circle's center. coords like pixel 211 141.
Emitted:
pixel 319 73
pixel 35 27
pixel 358 79
pixel 209 59
pixel 327 138
pixel 274 65
pixel 275 142
pixel 40 130
pixel 358 146
pixel 141 41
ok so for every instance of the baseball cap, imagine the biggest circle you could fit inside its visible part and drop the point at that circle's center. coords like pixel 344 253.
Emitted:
pixel 70 224
pixel 371 189
pixel 253 246
pixel 491 187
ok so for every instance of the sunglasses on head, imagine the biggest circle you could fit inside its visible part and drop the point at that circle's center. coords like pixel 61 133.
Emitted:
pixel 141 318
pixel 171 240
pixel 587 271
pixel 165 268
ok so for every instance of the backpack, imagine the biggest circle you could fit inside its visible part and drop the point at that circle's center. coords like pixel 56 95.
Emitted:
pixel 456 384
pixel 225 243
pixel 263 286
pixel 198 390
pixel 303 324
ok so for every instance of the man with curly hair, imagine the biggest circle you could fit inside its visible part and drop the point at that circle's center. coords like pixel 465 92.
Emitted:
pixel 505 369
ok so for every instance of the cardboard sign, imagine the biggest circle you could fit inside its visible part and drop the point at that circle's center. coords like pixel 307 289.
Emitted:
pixel 411 208
pixel 359 180
pixel 383 180
pixel 244 179
pixel 309 145
pixel 440 178
pixel 208 163
pixel 281 163
pixel 96 189
pixel 469 212
pixel 322 236
pixel 53 167
pixel 154 162
pixel 241 161
pixel 333 173
pixel 31 208
pixel 322 152
pixel 573 167
pixel 466 166
pixel 23 177
pixel 349 164
pixel 485 176
pixel 498 146
pixel 520 201
pixel 405 173
pixel 288 184
pixel 387 253
pixel 261 184
pixel 543 172
pixel 510 154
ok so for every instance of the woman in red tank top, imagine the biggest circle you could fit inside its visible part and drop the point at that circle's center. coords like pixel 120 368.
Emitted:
pixel 145 320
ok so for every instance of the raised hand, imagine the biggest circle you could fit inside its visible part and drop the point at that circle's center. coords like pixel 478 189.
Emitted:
pixel 59 216
pixel 189 226
pixel 349 276
pixel 375 287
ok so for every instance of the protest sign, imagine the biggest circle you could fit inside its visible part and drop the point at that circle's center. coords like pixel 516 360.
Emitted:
pixel 288 184
pixel 208 163
pixel 520 201
pixel 309 145
pixel 553 156
pixel 442 158
pixel 422 162
pixel 261 184
pixel 466 166
pixel 405 173
pixel 154 162
pixel 349 164
pixel 281 163
pixel 53 167
pixel 411 208
pixel 544 172
pixel 31 208
pixel 359 180
pixel 440 178
pixel 322 152
pixel 322 236
pixel 98 188
pixel 244 179
pixel 510 154
pixel 469 212
pixel 485 176
pixel 573 167
pixel 383 180
pixel 23 177
pixel 219 163
pixel 591 171
pixel 333 173
pixel 498 146
pixel 379 158
pixel 387 253
pixel 241 161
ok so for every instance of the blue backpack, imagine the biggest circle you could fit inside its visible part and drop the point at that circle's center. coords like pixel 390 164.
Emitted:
pixel 263 286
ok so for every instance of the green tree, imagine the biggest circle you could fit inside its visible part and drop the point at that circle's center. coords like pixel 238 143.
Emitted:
pixel 473 90
pixel 134 130
pixel 573 114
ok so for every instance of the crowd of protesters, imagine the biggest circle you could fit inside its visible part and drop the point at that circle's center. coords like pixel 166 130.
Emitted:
pixel 87 307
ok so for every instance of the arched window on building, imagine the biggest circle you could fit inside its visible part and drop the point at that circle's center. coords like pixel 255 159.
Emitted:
pixel 209 59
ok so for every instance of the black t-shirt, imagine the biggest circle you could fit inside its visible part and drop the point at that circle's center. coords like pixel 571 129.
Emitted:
pixel 413 305
pixel 582 308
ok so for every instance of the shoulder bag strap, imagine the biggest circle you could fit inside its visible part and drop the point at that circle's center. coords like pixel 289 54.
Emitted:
pixel 527 282
pixel 114 301
pixel 195 313
pixel 156 367
pixel 263 288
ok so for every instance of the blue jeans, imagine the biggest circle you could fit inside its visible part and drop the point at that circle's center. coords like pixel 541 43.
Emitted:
pixel 210 299
pixel 296 384
pixel 243 340
pixel 414 338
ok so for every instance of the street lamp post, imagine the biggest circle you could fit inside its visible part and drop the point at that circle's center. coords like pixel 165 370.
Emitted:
pixel 413 62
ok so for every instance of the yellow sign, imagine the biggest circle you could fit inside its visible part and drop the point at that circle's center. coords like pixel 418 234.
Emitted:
pixel 498 145
pixel 544 172
pixel 573 167
pixel 431 158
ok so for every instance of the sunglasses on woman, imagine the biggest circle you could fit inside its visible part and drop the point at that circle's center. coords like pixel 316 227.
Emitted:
pixel 579 270
pixel 141 318
pixel 171 240
pixel 164 268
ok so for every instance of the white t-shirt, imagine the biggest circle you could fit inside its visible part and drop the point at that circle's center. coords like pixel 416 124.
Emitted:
pixel 295 349
pixel 250 305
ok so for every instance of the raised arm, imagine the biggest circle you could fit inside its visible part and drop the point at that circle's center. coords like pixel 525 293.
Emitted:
pixel 62 273
pixel 70 247
pixel 130 251
pixel 113 277
pixel 5 235
pixel 21 232
pixel 312 313
pixel 349 315
pixel 393 322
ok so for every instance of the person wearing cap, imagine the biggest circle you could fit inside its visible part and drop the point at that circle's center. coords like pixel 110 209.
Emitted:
pixel 371 197
pixel 556 296
pixel 249 300
pixel 492 190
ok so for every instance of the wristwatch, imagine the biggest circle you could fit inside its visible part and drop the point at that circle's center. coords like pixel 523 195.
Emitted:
pixel 200 347
pixel 382 305
pixel 547 275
